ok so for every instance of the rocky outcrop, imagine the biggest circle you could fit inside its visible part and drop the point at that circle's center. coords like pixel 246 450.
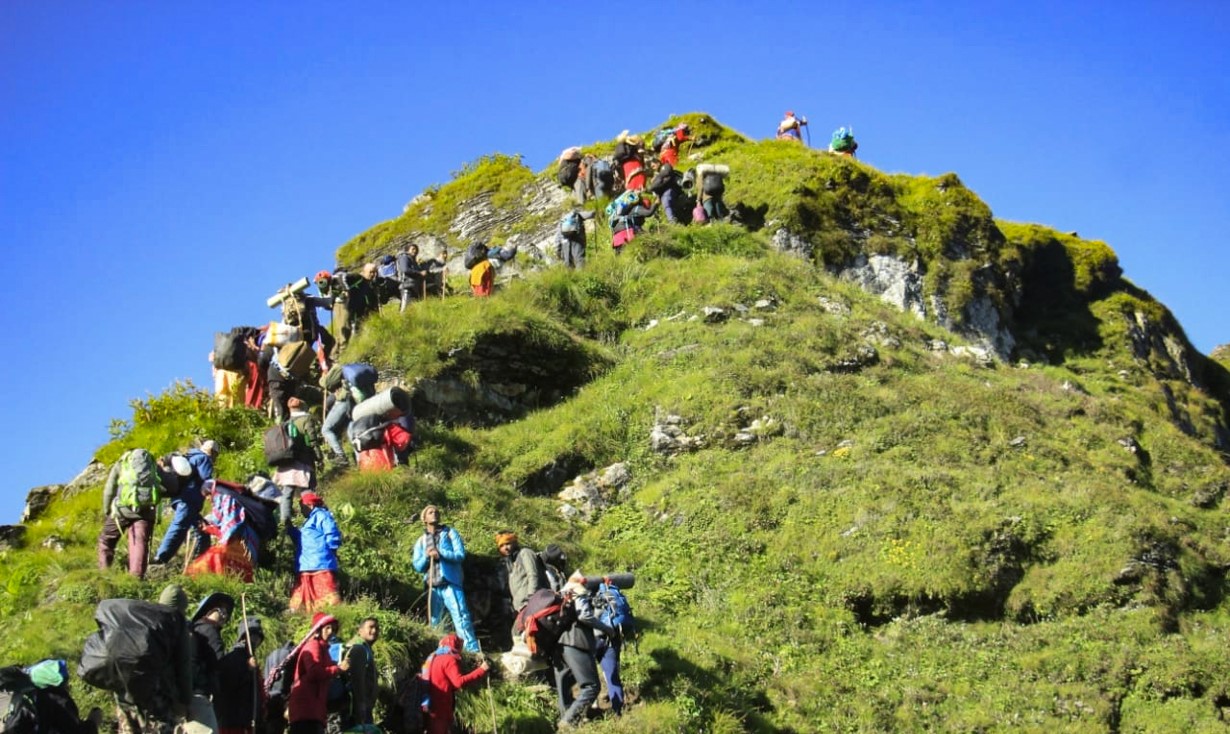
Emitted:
pixel 668 437
pixel 11 536
pixel 38 500
pixel 590 494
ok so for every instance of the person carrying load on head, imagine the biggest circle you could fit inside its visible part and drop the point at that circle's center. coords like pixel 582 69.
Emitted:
pixel 712 185
pixel 438 554
pixel 668 146
pixel 791 128
pixel 570 174
pixel 135 485
pixel 843 143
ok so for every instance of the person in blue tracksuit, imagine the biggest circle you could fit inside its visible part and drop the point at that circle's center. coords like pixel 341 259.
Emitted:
pixel 187 505
pixel 438 554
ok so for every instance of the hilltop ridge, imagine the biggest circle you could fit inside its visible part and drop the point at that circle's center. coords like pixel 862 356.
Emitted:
pixel 888 463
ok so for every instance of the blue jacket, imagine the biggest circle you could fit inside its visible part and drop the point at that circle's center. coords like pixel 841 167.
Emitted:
pixel 316 543
pixel 452 553
pixel 190 486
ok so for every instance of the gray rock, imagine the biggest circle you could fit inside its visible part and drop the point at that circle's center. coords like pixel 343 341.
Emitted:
pixel 590 494
pixel 1018 442
pixel 38 500
pixel 791 244
pixel 11 536
pixel 892 279
pixel 755 322
pixel 713 314
pixel 765 304
pixel 835 308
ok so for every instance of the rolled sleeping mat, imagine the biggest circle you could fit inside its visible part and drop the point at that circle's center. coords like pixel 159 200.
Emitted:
pixel 621 581
pixel 392 403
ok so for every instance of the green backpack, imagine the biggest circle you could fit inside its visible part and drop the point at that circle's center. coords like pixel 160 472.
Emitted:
pixel 140 485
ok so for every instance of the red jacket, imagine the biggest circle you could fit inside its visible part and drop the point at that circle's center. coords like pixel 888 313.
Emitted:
pixel 310 692
pixel 446 679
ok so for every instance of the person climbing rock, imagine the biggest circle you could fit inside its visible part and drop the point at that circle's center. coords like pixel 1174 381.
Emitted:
pixel 444 679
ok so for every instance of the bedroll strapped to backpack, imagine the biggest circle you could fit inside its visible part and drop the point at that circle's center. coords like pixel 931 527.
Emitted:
pixel 139 483
pixel 475 254
pixel 545 617
pixel 18 709
pixel 133 649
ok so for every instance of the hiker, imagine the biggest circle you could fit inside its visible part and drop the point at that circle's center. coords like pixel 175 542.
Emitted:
pixel 412 274
pixel 791 128
pixel 438 554
pixel 712 188
pixel 233 351
pixel 668 148
pixel 570 239
pixel 307 704
pixel 444 678
pixel 482 279
pixel 599 177
pixel 525 572
pixel 237 699
pixel 569 173
pixel 130 504
pixel 575 661
pixel 554 563
pixel 299 309
pixel 316 545
pixel 298 473
pixel 52 709
pixel 843 143
pixel 614 612
pixel 238 549
pixel 667 185
pixel 207 622
pixel 630 157
pixel 349 298
pixel 364 680
pixel 348 385
pixel 626 216
pixel 187 505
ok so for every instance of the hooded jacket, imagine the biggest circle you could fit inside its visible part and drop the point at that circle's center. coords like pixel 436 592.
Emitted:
pixel 316 543
pixel 445 678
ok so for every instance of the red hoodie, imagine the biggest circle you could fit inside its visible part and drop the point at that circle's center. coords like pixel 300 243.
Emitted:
pixel 446 678
pixel 309 693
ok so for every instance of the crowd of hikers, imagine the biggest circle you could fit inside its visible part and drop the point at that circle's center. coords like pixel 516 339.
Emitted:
pixel 169 669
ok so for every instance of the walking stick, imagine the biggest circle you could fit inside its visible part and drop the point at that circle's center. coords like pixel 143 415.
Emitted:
pixel 431 571
pixel 490 695
pixel 243 605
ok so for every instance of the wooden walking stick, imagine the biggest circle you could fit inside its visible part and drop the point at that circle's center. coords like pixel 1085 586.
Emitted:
pixel 247 638
pixel 431 571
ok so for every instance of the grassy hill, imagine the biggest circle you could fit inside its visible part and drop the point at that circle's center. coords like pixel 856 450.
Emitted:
pixel 873 531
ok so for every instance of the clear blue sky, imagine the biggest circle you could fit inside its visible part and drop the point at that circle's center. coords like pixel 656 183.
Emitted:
pixel 164 166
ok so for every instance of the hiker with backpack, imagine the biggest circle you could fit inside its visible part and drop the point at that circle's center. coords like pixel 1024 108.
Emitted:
pixel 843 143
pixel 187 505
pixel 142 652
pixel 412 275
pixel 667 185
pixel 613 611
pixel 554 563
pixel 299 309
pixel 316 545
pixel 712 187
pixel 791 128
pixel 135 485
pixel 626 215
pixel 568 173
pixel 352 697
pixel 232 352
pixel 629 155
pixel 442 671
pixel 292 448
pixel 234 524
pixel 437 555
pixel 207 622
pixel 522 566
pixel 36 700
pixel 570 239
pixel 574 660
pixel 599 177
pixel 667 142
pixel 348 385
pixel 307 704
pixel 237 699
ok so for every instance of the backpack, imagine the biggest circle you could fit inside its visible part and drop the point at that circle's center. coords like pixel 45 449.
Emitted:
pixel 713 185
pixel 843 139
pixel 387 267
pixel 133 650
pixel 296 358
pixel 572 224
pixel 614 610
pixel 286 442
pixel 139 482
pixel 620 207
pixel 475 254
pixel 257 513
pixel 18 710
pixel 367 432
pixel 280 671
pixel 660 138
pixel 230 352
pixel 545 617
pixel 362 377
pixel 338 698
pixel 602 171
pixel 415 699
pixel 568 172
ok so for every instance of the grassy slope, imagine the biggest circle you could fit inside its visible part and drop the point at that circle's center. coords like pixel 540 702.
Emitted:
pixel 892 558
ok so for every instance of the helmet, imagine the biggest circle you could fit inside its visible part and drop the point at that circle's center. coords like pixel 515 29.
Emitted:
pixel 323 275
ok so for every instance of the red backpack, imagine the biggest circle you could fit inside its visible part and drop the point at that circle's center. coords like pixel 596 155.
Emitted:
pixel 545 617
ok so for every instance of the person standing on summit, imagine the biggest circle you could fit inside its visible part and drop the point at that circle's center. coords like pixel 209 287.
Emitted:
pixel 791 128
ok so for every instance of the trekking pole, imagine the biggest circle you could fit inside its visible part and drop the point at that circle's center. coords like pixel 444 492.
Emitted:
pixel 490 695
pixel 431 571
pixel 247 638
pixel 807 129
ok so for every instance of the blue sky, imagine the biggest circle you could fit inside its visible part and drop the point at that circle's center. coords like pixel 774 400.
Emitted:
pixel 165 166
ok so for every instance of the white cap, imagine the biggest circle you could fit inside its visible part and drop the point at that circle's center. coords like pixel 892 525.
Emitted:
pixel 180 465
pixel 210 446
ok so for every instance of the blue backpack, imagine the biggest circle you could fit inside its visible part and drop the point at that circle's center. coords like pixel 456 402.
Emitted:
pixel 362 377
pixel 387 267
pixel 571 225
pixel 621 206
pixel 661 136
pixel 614 610
pixel 842 139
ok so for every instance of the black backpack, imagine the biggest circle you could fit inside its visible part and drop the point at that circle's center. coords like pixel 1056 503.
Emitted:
pixel 230 352
pixel 475 254
pixel 280 671
pixel 134 648
pixel 279 445
pixel 568 171
pixel 18 709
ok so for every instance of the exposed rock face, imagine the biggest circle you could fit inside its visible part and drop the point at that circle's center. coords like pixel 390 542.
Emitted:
pixel 1160 348
pixel 38 499
pixel 592 493
pixel 792 244
pixel 668 437
pixel 892 279
pixel 11 536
